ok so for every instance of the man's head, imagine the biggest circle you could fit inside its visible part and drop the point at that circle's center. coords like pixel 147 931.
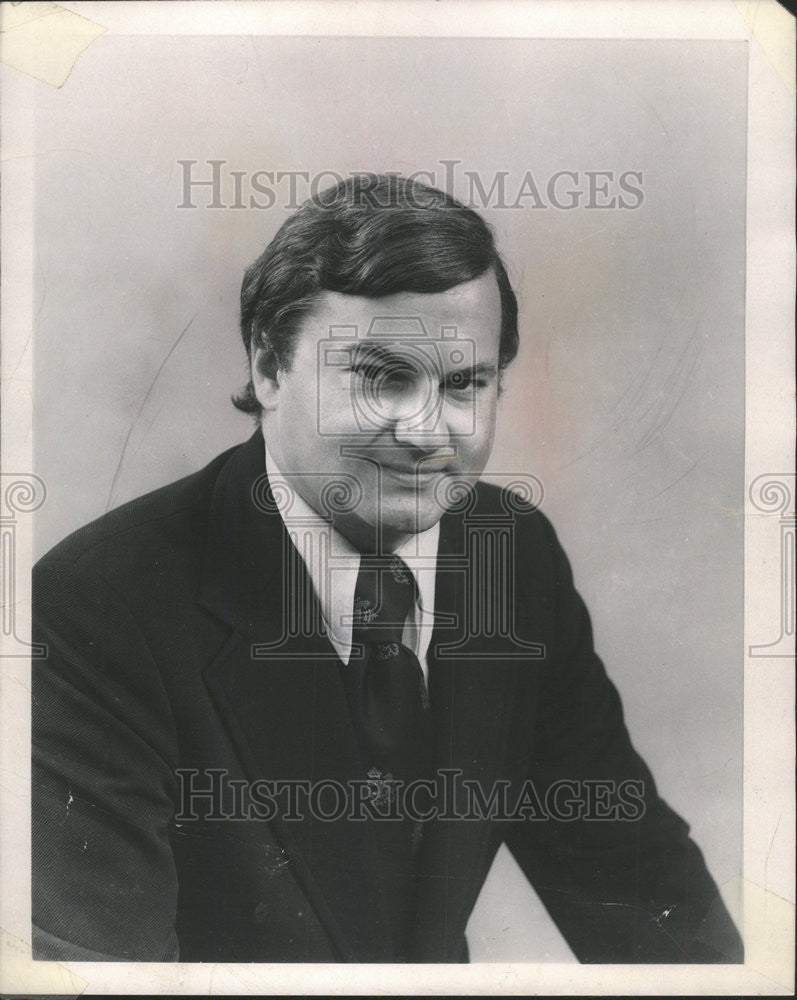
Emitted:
pixel 377 323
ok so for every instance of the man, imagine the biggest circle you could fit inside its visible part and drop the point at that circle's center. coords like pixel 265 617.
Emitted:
pixel 293 704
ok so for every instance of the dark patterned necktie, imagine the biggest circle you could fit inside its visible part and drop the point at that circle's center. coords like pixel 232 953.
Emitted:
pixel 391 703
pixel 394 706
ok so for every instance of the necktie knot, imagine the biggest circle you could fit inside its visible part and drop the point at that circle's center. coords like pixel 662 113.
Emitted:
pixel 383 595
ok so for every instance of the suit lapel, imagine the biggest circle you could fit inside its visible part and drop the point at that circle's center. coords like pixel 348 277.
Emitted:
pixel 279 691
pixel 471 695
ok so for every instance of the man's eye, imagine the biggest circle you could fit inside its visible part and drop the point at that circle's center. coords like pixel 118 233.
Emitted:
pixel 368 372
pixel 383 377
pixel 463 382
pixel 377 373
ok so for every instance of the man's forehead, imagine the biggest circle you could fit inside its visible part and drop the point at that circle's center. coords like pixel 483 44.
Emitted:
pixel 471 305
pixel 382 333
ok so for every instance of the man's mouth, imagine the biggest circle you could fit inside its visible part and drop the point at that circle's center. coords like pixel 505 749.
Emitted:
pixel 420 474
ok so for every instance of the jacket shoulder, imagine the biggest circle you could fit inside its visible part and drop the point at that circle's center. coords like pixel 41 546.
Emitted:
pixel 158 518
pixel 515 508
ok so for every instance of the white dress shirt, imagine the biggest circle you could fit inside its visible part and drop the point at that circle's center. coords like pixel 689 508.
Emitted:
pixel 334 564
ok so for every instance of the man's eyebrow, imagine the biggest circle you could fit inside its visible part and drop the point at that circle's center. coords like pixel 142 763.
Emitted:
pixel 482 368
pixel 377 353
pixel 372 353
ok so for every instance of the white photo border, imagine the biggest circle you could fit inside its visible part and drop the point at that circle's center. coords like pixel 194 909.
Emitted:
pixel 768 882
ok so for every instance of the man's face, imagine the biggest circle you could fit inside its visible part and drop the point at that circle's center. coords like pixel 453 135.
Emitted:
pixel 393 396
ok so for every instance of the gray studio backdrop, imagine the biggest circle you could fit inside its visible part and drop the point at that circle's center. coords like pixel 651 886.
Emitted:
pixel 627 398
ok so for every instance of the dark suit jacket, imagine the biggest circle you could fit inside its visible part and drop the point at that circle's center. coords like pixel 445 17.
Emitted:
pixel 150 616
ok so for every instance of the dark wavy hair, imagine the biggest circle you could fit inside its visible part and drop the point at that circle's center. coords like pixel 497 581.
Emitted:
pixel 370 235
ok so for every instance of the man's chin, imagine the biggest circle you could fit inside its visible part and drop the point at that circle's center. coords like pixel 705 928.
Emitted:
pixel 398 514
pixel 410 519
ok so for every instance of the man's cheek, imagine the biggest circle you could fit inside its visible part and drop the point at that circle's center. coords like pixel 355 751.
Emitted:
pixel 474 449
pixel 485 425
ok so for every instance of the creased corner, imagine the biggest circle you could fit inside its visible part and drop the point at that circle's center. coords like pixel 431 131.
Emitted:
pixel 772 26
pixel 44 40
pixel 20 974
pixel 768 921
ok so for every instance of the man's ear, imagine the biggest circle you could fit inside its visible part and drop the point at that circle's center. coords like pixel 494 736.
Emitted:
pixel 265 377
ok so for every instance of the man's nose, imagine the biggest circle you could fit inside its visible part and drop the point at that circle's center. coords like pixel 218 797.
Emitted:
pixel 419 419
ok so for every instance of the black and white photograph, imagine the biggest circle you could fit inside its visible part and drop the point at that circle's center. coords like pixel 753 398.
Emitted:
pixel 398 498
